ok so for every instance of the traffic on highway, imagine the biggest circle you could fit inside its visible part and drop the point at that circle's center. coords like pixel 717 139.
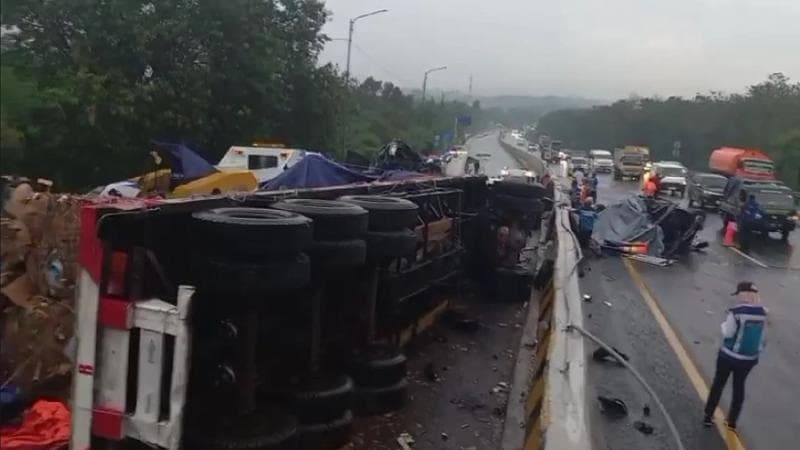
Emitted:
pixel 663 310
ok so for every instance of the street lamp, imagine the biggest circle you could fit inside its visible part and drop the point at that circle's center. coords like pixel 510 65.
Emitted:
pixel 350 36
pixel 425 80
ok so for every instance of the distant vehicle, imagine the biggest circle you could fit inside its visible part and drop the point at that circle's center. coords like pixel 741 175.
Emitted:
pixel 748 163
pixel 705 189
pixel 266 161
pixel 579 163
pixel 672 177
pixel 776 200
pixel 630 162
pixel 601 161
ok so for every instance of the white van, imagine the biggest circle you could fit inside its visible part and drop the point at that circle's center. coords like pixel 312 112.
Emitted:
pixel 267 161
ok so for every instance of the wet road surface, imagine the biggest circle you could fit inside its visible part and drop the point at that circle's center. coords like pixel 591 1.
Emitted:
pixel 693 295
pixel 454 375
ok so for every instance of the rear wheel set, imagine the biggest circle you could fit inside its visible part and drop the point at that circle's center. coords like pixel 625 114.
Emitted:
pixel 250 256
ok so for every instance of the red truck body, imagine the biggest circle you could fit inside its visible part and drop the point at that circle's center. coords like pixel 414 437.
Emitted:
pixel 742 162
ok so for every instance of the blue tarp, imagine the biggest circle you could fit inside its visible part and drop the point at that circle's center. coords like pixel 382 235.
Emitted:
pixel 185 163
pixel 314 170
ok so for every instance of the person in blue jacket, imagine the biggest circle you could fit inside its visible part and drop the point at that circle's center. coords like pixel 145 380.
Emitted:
pixel 749 216
pixel 595 182
pixel 743 339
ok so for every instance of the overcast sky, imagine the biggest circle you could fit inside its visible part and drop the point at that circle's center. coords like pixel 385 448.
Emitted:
pixel 594 48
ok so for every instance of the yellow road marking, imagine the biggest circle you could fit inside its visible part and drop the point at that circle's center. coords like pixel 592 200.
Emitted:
pixel 731 439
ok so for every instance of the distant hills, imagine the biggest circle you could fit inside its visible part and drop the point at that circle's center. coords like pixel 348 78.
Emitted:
pixel 542 104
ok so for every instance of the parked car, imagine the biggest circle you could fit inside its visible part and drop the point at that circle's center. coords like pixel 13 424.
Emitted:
pixel 705 189
pixel 672 177
pixel 775 198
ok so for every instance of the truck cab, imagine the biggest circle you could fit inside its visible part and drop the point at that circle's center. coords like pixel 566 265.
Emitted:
pixel 601 160
pixel 630 162
pixel 266 161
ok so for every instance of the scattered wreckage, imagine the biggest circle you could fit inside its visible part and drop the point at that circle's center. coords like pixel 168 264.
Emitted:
pixel 654 230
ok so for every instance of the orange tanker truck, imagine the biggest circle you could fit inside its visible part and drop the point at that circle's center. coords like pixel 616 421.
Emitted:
pixel 742 162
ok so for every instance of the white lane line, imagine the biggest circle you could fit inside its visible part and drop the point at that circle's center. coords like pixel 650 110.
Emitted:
pixel 753 260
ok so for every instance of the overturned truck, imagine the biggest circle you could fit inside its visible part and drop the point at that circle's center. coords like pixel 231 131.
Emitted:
pixel 261 321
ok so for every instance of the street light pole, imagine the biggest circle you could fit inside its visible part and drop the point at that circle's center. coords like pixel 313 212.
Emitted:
pixel 350 36
pixel 425 79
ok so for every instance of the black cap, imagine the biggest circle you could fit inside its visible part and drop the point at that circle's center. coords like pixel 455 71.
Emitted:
pixel 745 286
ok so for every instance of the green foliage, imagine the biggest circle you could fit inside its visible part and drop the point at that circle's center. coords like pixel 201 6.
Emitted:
pixel 766 117
pixel 110 76
pixel 87 85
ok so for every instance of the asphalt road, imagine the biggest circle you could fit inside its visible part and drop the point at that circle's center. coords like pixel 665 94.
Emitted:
pixel 693 295
pixel 487 144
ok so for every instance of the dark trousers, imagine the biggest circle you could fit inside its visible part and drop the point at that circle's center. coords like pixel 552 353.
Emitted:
pixel 725 366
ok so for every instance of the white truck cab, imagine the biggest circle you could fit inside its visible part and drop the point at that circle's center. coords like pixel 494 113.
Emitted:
pixel 267 161
pixel 601 160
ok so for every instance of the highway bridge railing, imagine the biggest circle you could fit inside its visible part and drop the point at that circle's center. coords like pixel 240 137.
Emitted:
pixel 555 396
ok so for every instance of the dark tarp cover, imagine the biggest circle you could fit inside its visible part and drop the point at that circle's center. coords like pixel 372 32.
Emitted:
pixel 185 163
pixel 314 170
pixel 628 221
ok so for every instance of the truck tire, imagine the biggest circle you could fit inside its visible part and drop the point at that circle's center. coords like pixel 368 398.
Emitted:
pixel 378 367
pixel 328 435
pixel 785 235
pixel 386 213
pixel 374 401
pixel 321 398
pixel 383 245
pixel 252 232
pixel 518 204
pixel 525 190
pixel 229 278
pixel 337 256
pixel 333 220
pixel 272 429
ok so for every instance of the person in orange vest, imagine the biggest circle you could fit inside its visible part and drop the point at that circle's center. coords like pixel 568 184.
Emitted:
pixel 650 188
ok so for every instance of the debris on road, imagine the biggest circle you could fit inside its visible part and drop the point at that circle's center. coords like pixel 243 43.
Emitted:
pixel 444 436
pixel 405 441
pixel 603 355
pixel 607 303
pixel 643 427
pixel 587 298
pixel 612 407
pixel 646 410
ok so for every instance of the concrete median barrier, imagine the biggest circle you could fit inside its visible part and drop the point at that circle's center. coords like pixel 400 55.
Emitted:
pixel 554 415
pixel 525 159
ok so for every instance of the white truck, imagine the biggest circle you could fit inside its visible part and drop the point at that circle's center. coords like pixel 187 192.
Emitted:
pixel 601 161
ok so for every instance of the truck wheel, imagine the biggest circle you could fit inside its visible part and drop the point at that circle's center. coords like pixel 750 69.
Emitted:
pixel 785 235
pixel 252 231
pixel 260 280
pixel 337 256
pixel 321 398
pixel 515 203
pixel 267 430
pixel 378 367
pixel 333 219
pixel 382 245
pixel 519 189
pixel 374 401
pixel 328 435
pixel 386 213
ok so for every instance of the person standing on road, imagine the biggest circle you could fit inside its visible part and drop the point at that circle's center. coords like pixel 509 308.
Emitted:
pixel 743 339
pixel 595 182
pixel 749 216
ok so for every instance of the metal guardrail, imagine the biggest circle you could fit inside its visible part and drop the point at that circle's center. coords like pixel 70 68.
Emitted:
pixel 555 404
